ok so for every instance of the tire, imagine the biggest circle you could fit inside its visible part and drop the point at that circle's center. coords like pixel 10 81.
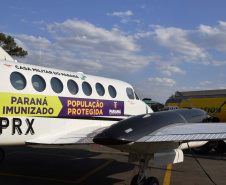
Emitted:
pixel 2 154
pixel 202 149
pixel 134 181
pixel 152 181
pixel 221 147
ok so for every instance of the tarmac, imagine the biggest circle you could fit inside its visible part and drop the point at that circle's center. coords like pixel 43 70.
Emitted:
pixel 95 165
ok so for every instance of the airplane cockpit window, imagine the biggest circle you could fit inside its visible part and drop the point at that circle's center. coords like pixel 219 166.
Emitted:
pixel 56 85
pixel 112 91
pixel 87 89
pixel 130 93
pixel 38 83
pixel 72 86
pixel 100 89
pixel 18 80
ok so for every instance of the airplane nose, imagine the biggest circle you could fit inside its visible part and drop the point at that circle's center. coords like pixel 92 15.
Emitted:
pixel 105 139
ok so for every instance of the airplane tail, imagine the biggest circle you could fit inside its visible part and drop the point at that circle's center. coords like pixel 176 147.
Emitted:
pixel 5 56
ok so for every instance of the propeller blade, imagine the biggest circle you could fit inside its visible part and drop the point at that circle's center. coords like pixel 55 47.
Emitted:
pixel 217 109
pixel 185 99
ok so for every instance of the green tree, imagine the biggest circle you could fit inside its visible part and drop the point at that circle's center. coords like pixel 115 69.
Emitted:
pixel 10 46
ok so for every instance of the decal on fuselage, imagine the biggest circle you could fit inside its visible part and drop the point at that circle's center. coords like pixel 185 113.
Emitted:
pixel 14 104
pixel 16 126
pixel 45 71
pixel 89 107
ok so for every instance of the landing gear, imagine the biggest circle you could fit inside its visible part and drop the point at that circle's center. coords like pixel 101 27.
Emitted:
pixel 2 154
pixel 140 179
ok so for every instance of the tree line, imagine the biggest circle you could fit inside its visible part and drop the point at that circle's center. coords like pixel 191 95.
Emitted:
pixel 9 45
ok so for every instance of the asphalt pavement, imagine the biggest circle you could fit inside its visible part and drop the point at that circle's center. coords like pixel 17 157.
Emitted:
pixel 100 166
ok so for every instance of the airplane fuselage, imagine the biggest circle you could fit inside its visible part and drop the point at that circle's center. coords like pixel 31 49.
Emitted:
pixel 37 101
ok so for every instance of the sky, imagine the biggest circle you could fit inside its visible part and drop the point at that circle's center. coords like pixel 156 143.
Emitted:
pixel 157 46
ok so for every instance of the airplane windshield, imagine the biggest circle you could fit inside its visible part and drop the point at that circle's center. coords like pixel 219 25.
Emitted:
pixel 136 95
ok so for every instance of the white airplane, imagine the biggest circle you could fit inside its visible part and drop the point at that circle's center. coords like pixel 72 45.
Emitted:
pixel 45 106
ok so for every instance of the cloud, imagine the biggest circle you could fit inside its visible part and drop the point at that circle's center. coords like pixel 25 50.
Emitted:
pixel 177 40
pixel 214 37
pixel 143 34
pixel 81 46
pixel 219 63
pixel 125 16
pixel 38 22
pixel 162 81
pixel 33 42
pixel 121 14
pixel 157 89
pixel 84 35
pixel 205 82
pixel 169 70
pixel 143 6
pixel 23 21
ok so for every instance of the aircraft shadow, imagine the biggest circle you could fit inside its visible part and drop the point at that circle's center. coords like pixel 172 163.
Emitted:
pixel 25 165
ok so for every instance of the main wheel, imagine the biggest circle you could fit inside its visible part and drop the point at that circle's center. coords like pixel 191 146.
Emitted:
pixel 2 154
pixel 134 181
pixel 152 181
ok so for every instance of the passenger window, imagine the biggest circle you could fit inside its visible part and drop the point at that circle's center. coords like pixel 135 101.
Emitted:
pixel 72 86
pixel 100 89
pixel 38 83
pixel 87 89
pixel 112 91
pixel 18 80
pixel 56 85
pixel 130 93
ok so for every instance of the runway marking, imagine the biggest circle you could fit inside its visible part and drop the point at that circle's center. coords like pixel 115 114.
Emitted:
pixel 37 178
pixel 93 171
pixel 58 180
pixel 167 175
pixel 61 180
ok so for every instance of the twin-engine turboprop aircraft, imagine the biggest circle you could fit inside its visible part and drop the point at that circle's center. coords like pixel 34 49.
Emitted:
pixel 43 106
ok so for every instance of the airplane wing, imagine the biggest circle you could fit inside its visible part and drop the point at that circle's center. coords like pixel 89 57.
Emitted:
pixel 188 132
pixel 80 136
pixel 183 125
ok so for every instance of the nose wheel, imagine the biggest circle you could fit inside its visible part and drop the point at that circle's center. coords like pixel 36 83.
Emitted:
pixel 2 154
pixel 140 179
